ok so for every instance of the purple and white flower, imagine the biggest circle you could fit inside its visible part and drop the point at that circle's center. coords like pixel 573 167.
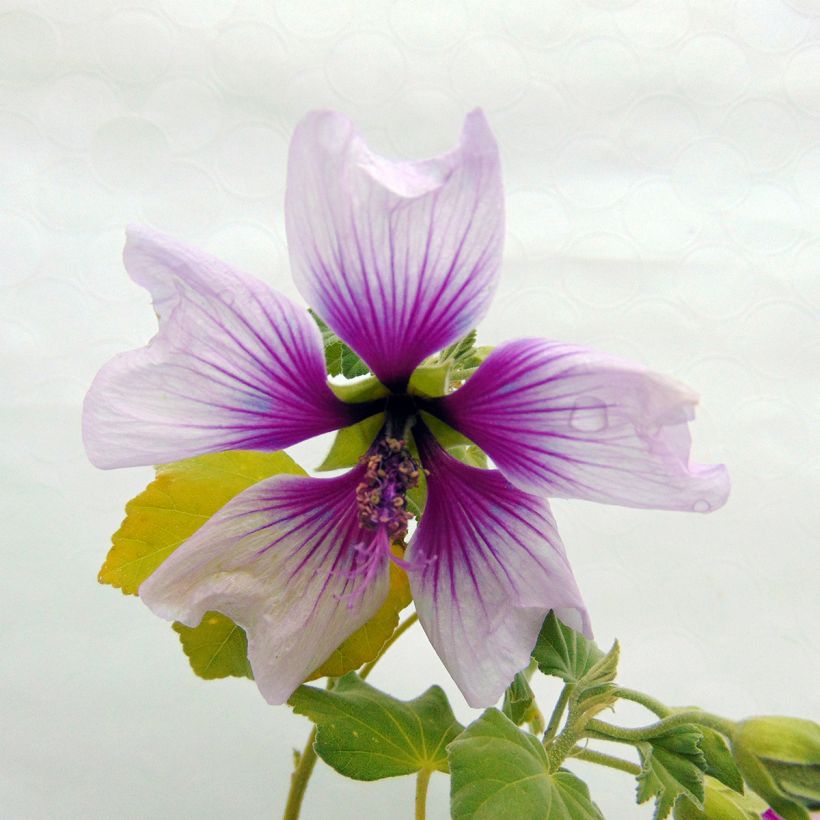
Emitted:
pixel 400 259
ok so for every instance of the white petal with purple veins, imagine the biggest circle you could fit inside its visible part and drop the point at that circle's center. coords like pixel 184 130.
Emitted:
pixel 488 566
pixel 571 422
pixel 280 560
pixel 399 258
pixel 235 365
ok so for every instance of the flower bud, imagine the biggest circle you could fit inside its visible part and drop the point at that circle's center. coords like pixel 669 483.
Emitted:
pixel 721 803
pixel 779 758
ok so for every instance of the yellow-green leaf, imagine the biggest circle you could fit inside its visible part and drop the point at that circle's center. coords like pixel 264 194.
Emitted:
pixel 351 443
pixel 176 504
pixel 364 644
pixel 217 648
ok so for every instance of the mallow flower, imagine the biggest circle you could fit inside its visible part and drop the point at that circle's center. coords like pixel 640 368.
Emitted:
pixel 400 259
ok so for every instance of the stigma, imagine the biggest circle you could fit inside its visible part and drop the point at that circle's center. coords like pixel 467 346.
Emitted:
pixel 381 497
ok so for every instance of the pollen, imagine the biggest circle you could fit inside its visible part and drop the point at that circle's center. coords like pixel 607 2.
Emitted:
pixel 382 493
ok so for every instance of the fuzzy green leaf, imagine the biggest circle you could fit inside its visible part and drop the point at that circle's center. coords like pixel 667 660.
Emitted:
pixel 672 768
pixel 340 359
pixel 720 803
pixel 595 689
pixel 719 761
pixel 500 772
pixel 366 734
pixel 518 699
pixel 563 652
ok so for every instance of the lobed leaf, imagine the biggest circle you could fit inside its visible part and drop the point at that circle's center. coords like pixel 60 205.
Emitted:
pixel 216 648
pixel 340 359
pixel 672 768
pixel 184 495
pixel 500 772
pixel 563 652
pixel 366 734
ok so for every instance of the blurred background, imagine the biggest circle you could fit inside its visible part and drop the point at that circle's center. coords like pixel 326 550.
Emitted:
pixel 662 168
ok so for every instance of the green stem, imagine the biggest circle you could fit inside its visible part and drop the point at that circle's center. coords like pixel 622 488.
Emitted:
pixel 557 713
pixel 660 709
pixel 422 781
pixel 307 760
pixel 606 760
pixel 299 779
pixel 606 731
pixel 397 633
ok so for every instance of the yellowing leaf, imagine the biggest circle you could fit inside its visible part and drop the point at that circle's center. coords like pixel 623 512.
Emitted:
pixel 364 644
pixel 176 504
pixel 217 648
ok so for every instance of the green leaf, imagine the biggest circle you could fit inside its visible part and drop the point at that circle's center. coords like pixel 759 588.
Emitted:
pixel 430 380
pixel 672 767
pixel 456 444
pixel 720 803
pixel 438 375
pixel 217 648
pixel 499 772
pixel 518 699
pixel 360 391
pixel 719 761
pixel 176 504
pixel 563 652
pixel 365 734
pixel 351 443
pixel 595 689
pixel 340 359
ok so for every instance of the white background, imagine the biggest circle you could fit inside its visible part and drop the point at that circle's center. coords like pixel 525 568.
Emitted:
pixel 662 166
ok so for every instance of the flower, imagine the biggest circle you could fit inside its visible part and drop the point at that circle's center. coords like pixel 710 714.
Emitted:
pixel 400 259
pixel 779 758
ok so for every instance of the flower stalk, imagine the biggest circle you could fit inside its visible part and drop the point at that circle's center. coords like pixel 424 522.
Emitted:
pixel 422 782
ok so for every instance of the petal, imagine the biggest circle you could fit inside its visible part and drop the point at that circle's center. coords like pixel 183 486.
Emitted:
pixel 234 365
pixel 491 565
pixel 399 258
pixel 572 422
pixel 278 560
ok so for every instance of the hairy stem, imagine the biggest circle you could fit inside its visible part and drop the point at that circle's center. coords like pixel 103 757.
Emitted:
pixel 654 705
pixel 422 781
pixel 606 731
pixel 299 779
pixel 397 633
pixel 558 713
pixel 606 760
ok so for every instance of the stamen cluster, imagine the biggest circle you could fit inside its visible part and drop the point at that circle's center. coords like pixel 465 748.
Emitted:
pixel 382 493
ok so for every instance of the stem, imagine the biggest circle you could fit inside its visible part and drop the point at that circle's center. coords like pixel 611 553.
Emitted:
pixel 422 781
pixel 557 713
pixel 299 779
pixel 606 760
pixel 606 731
pixel 397 633
pixel 660 709
pixel 307 760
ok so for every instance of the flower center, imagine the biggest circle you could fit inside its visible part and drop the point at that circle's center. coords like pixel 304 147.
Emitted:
pixel 381 496
pixel 382 493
